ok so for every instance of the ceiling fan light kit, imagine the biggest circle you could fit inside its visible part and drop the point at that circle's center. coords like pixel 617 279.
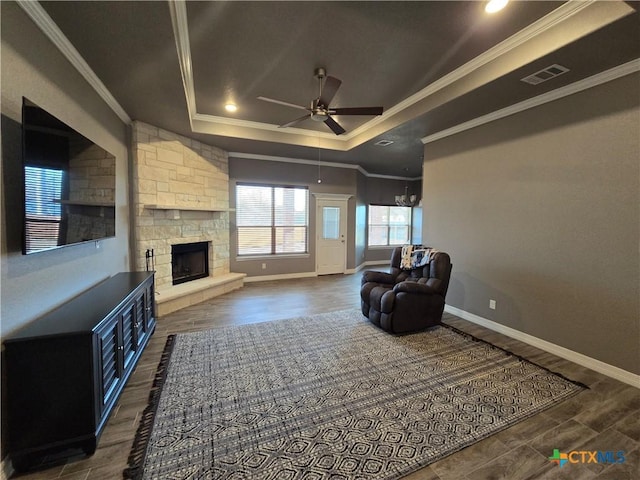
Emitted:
pixel 319 110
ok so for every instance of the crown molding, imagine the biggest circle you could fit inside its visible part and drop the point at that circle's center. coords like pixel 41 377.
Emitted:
pixel 302 161
pixel 394 177
pixel 42 19
pixel 216 125
pixel 332 196
pixel 235 122
pixel 584 84
pixel 394 116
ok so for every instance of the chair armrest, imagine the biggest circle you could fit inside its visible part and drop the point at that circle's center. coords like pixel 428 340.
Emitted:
pixel 413 287
pixel 377 277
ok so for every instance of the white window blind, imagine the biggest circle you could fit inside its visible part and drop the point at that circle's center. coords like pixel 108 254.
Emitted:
pixel 43 211
pixel 271 220
pixel 389 225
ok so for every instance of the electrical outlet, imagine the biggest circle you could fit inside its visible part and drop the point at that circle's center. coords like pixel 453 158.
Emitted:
pixel 264 266
pixel 492 304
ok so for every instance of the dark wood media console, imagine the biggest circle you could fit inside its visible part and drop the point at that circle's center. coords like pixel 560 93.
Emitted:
pixel 66 370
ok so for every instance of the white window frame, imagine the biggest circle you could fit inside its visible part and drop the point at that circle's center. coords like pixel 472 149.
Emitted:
pixel 273 226
pixel 388 226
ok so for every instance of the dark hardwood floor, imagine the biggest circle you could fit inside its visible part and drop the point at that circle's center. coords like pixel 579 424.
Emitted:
pixel 604 418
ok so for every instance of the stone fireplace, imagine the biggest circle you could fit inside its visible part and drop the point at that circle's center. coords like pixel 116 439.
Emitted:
pixel 180 192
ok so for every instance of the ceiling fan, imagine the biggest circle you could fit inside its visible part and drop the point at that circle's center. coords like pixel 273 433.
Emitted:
pixel 320 111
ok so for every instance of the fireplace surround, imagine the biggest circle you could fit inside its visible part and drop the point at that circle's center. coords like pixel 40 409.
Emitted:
pixel 180 191
pixel 189 261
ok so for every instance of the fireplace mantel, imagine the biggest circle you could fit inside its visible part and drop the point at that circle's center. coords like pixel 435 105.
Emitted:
pixel 155 206
pixel 174 211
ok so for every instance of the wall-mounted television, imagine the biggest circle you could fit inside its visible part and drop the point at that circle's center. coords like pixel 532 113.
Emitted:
pixel 69 184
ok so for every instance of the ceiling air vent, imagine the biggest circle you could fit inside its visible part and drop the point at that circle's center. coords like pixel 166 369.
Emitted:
pixel 545 74
pixel 383 143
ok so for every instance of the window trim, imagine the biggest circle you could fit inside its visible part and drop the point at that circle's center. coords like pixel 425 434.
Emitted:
pixel 388 226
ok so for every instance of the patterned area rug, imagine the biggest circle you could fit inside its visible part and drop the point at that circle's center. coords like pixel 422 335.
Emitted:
pixel 329 397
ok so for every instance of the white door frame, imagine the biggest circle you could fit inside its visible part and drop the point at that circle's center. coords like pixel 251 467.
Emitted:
pixel 333 197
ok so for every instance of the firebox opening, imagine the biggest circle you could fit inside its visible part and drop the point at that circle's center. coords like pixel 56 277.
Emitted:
pixel 189 261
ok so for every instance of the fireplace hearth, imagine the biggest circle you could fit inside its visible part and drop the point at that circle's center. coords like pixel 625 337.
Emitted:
pixel 189 261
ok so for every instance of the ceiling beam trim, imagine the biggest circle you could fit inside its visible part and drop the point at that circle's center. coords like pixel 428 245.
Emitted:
pixel 261 126
pixel 420 102
pixel 46 24
pixel 179 21
pixel 265 132
pixel 584 84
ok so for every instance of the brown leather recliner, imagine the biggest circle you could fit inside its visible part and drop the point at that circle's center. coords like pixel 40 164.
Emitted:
pixel 406 300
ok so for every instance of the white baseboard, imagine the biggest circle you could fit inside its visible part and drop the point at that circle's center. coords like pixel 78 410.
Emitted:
pixel 371 263
pixel 283 276
pixel 288 276
pixel 575 357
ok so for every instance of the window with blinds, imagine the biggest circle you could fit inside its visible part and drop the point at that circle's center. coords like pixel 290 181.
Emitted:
pixel 43 211
pixel 389 225
pixel 272 220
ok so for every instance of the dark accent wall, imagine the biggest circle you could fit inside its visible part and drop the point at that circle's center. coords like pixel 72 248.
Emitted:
pixel 540 212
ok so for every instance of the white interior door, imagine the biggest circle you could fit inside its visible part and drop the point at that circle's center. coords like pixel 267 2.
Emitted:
pixel 331 245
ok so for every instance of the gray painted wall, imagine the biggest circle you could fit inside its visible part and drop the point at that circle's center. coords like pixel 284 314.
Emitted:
pixel 540 211
pixel 361 219
pixel 334 180
pixel 383 191
pixel 365 190
pixel 32 67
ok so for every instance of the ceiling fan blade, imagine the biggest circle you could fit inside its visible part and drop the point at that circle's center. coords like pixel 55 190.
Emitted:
pixel 280 102
pixel 335 126
pixel 331 86
pixel 296 121
pixel 357 111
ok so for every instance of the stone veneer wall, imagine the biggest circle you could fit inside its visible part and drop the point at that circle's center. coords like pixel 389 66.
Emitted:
pixel 170 170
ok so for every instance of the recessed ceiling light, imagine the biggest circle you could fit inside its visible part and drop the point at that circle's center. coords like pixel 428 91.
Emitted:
pixel 494 6
pixel 230 107
pixel 383 143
